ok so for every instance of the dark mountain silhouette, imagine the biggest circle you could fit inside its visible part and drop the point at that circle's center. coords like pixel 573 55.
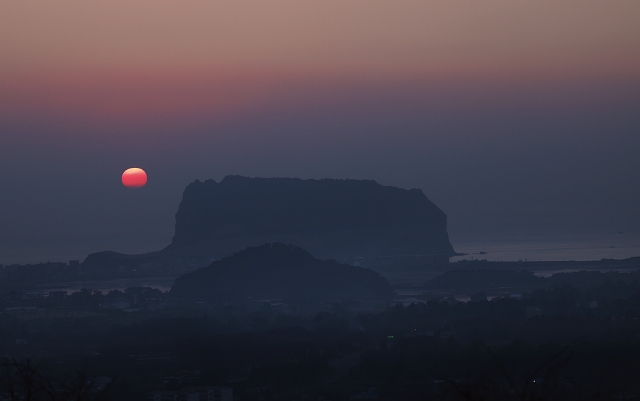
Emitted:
pixel 332 219
pixel 278 271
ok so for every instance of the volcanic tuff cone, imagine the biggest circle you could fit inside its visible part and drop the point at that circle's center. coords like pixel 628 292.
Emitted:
pixel 332 219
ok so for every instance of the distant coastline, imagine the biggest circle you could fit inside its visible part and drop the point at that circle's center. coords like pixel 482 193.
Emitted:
pixel 594 249
pixel 621 246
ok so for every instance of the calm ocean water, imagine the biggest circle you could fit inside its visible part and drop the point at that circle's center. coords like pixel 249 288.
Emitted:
pixel 610 247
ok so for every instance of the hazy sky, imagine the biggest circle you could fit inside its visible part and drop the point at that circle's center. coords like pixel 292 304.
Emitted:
pixel 520 119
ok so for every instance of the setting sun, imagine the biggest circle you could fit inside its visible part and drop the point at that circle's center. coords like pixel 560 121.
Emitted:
pixel 134 178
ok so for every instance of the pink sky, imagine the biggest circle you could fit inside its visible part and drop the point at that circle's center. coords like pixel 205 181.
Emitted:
pixel 137 60
pixel 374 36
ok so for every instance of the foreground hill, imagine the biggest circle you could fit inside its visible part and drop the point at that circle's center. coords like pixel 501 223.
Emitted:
pixel 278 271
pixel 332 219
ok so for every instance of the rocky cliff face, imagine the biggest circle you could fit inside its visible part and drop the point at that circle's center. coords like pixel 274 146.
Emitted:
pixel 279 271
pixel 333 219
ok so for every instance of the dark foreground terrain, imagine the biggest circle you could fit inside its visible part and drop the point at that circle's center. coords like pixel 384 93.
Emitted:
pixel 572 336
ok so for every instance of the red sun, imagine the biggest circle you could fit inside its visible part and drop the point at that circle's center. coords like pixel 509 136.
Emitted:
pixel 134 178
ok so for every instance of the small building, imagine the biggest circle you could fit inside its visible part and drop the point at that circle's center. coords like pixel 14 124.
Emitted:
pixel 211 393
pixel 26 312
pixel 442 332
pixel 100 383
pixel 116 304
pixel 478 297
pixel 57 294
pixel 533 311
pixel 200 393
pixel 32 295
pixel 18 309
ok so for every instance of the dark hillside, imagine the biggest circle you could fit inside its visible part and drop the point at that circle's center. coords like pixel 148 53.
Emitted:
pixel 278 271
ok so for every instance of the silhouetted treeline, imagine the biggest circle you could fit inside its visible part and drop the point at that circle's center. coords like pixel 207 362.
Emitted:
pixel 29 381
pixel 563 342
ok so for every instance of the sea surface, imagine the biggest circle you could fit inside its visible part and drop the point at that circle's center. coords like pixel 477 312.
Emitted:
pixel 496 250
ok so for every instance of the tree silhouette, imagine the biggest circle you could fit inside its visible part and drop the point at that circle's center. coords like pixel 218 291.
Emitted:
pixel 24 381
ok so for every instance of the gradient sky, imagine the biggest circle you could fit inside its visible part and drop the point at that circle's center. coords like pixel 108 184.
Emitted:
pixel 520 119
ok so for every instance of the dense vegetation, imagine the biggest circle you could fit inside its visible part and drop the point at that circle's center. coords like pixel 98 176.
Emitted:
pixel 563 342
